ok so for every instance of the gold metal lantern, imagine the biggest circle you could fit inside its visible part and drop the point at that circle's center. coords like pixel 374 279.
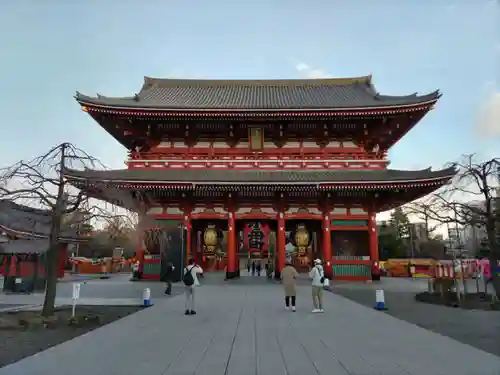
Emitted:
pixel 210 239
pixel 301 239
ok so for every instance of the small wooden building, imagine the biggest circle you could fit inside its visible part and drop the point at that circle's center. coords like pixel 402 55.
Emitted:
pixel 24 244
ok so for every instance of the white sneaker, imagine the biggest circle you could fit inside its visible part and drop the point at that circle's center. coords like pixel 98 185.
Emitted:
pixel 293 308
pixel 287 308
pixel 316 310
pixel 321 310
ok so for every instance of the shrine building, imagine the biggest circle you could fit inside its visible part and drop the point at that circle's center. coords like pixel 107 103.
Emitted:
pixel 266 171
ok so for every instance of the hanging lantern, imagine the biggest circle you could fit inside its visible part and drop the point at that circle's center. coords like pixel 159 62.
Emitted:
pixel 301 239
pixel 210 239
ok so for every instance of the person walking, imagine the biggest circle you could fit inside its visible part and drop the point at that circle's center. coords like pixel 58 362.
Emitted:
pixel 318 278
pixel 258 267
pixel 288 277
pixel 253 268
pixel 191 281
pixel 166 277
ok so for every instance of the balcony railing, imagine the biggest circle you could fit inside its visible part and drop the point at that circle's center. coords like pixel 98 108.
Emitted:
pixel 217 155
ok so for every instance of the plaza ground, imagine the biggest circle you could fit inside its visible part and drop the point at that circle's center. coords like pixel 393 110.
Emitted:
pixel 242 328
pixel 477 328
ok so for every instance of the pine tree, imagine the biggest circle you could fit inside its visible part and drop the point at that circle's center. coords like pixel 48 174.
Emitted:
pixel 399 220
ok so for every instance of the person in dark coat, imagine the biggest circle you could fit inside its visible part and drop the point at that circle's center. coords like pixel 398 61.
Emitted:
pixel 168 271
pixel 258 268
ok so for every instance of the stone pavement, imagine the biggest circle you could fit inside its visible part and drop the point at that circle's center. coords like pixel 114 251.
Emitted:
pixel 243 329
pixel 115 291
pixel 478 328
pixel 37 302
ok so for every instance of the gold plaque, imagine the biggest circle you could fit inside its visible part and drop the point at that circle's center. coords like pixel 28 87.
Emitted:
pixel 256 138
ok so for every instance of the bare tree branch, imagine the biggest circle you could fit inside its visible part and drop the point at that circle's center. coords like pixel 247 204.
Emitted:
pixel 470 200
pixel 39 184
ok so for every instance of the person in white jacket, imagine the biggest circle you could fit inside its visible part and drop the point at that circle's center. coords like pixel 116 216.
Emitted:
pixel 317 276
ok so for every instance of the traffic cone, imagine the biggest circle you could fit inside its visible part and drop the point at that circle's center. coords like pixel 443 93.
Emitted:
pixel 380 300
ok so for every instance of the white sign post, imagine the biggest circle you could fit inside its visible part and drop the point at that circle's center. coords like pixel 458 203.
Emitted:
pixel 76 296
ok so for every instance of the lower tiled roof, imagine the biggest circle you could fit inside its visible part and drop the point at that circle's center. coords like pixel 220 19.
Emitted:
pixel 35 246
pixel 214 176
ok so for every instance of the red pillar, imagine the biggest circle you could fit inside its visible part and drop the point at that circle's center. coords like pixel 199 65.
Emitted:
pixel 327 246
pixel 195 244
pixel 63 258
pixel 236 250
pixel 280 246
pixel 140 251
pixel 231 247
pixel 373 245
pixel 188 239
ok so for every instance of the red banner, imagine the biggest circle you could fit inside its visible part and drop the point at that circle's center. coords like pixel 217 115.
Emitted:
pixel 255 237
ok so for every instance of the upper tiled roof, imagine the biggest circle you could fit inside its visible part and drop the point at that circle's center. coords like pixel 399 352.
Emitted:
pixel 299 94
pixel 210 176
pixel 29 222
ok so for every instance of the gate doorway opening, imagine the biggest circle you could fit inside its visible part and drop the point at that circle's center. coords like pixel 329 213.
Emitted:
pixel 209 243
pixel 256 247
pixel 303 243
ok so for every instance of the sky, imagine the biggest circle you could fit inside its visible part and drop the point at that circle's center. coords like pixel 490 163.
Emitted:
pixel 50 49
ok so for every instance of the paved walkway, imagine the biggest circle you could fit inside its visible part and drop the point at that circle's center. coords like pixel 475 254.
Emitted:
pixel 36 303
pixel 243 329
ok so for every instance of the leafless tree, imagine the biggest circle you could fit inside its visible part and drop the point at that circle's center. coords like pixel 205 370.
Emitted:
pixel 470 199
pixel 39 183
pixel 138 224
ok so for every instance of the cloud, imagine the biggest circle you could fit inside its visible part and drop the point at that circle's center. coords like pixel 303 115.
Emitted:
pixel 308 72
pixel 489 116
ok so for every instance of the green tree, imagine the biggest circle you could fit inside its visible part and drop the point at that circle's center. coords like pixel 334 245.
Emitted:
pixel 399 220
pixel 390 244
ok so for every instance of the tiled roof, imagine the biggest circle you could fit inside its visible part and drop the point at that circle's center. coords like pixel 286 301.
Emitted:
pixel 28 221
pixel 35 246
pixel 211 176
pixel 300 94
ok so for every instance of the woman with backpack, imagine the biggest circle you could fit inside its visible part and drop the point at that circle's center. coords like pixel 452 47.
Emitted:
pixel 190 279
pixel 318 279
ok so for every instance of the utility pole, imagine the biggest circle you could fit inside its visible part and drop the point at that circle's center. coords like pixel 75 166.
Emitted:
pixel 412 247
pixel 449 236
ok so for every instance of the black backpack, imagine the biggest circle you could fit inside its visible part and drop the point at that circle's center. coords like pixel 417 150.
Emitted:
pixel 188 278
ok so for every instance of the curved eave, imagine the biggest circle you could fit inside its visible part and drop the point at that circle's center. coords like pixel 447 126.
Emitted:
pixel 440 178
pixel 131 107
pixel 26 234
pixel 89 105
